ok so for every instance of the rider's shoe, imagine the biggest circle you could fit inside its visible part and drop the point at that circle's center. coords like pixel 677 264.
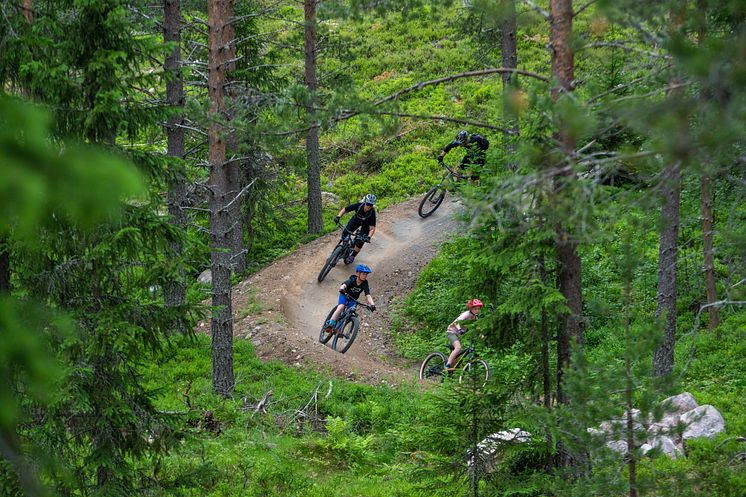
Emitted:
pixel 328 329
pixel 349 259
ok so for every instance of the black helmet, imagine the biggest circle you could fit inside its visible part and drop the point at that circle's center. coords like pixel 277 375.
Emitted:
pixel 462 136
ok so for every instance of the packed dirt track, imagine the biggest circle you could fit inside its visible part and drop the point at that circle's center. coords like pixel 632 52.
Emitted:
pixel 289 305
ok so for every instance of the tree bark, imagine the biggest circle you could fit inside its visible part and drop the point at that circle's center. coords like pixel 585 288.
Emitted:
pixel 175 291
pixel 235 175
pixel 315 221
pixel 219 13
pixel 708 222
pixel 510 61
pixel 569 270
pixel 668 248
pixel 569 267
pixel 706 203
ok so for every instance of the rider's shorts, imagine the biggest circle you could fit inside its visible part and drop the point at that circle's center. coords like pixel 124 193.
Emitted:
pixel 453 337
pixel 344 299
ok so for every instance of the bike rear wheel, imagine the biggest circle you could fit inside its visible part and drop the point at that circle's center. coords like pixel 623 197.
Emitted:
pixel 330 263
pixel 323 335
pixel 475 373
pixel 433 367
pixel 343 339
pixel 432 200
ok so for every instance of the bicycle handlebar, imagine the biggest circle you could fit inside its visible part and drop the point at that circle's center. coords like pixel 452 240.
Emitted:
pixel 452 170
pixel 362 304
pixel 356 233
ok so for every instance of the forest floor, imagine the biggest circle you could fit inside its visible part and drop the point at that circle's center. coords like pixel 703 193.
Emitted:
pixel 282 307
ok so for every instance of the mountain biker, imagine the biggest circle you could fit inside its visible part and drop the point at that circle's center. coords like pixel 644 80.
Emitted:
pixel 455 330
pixel 351 289
pixel 365 218
pixel 476 154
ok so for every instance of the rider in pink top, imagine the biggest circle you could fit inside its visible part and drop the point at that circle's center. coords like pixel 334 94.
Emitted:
pixel 455 330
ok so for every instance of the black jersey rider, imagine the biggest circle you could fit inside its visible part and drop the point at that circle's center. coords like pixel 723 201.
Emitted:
pixel 476 154
pixel 364 218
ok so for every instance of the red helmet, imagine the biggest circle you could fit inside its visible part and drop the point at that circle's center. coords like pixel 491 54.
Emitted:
pixel 474 303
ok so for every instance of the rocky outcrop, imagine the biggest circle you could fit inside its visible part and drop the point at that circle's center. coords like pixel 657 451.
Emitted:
pixel 683 420
pixel 487 454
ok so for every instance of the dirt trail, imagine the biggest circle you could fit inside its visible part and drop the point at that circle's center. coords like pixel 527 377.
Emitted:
pixel 293 304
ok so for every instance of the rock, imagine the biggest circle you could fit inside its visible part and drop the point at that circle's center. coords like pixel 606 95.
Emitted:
pixel 488 449
pixel 680 404
pixel 329 198
pixel 666 446
pixel 205 277
pixel 619 446
pixel 703 421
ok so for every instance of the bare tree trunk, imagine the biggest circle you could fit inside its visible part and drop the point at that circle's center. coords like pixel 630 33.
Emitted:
pixel 219 13
pixel 708 221
pixel 175 291
pixel 315 221
pixel 663 356
pixel 569 266
pixel 510 60
pixel 235 175
pixel 569 271
pixel 706 202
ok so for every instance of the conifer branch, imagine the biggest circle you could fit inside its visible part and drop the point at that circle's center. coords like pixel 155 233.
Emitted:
pixel 583 7
pixel 448 119
pixel 624 46
pixel 538 9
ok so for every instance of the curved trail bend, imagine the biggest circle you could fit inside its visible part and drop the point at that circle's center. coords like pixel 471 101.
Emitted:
pixel 294 304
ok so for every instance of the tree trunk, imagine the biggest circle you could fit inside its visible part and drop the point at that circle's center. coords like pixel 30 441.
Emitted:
pixel 546 370
pixel 235 176
pixel 315 222
pixel 569 270
pixel 706 201
pixel 219 13
pixel 510 60
pixel 4 266
pixel 175 291
pixel 663 356
pixel 708 222
pixel 568 261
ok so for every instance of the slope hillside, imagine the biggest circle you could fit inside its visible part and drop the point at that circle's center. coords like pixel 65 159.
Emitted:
pixel 281 308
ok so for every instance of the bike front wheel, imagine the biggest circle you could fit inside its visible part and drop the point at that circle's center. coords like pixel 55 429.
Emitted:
pixel 343 338
pixel 475 373
pixel 323 335
pixel 433 368
pixel 432 200
pixel 331 261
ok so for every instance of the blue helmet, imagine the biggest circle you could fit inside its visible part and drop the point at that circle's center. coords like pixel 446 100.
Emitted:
pixel 362 268
pixel 462 136
pixel 370 199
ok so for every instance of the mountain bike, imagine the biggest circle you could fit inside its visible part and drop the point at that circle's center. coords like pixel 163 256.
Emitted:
pixel 345 329
pixel 468 366
pixel 342 250
pixel 435 195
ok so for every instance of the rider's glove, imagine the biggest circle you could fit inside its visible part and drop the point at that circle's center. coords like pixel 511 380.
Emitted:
pixel 440 159
pixel 336 219
pixel 342 291
pixel 372 308
pixel 463 330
